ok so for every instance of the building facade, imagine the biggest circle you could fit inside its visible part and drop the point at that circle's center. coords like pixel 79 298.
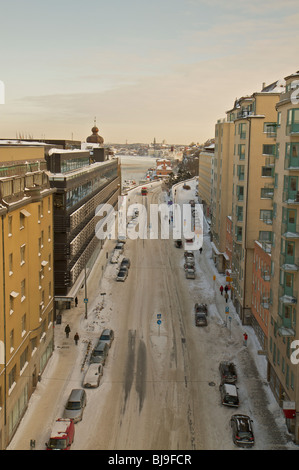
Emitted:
pixel 82 180
pixel 283 373
pixel 221 194
pixel 27 297
pixel 254 120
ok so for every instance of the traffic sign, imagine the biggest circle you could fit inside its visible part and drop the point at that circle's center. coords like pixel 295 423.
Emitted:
pixel 85 301
pixel 159 315
pixel 226 309
pixel 159 322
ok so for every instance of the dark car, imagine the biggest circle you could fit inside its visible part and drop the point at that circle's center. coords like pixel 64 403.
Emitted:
pixel 242 430
pixel 178 243
pixel 201 319
pixel 228 372
pixel 125 263
pixel 201 308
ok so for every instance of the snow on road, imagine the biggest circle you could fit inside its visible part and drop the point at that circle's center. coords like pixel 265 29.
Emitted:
pixel 222 339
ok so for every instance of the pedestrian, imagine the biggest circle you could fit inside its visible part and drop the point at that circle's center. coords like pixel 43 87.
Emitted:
pixel 226 288
pixel 67 330
pixel 245 336
pixel 200 250
pixel 76 301
pixel 226 297
pixel 76 338
pixel 221 290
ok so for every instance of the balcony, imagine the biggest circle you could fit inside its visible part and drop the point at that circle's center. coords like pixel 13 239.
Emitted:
pixel 265 301
pixel 286 297
pixel 289 264
pixel 290 197
pixel 291 163
pixel 290 231
pixel 266 275
pixel 285 327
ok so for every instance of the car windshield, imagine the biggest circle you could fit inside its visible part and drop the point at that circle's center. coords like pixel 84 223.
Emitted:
pixel 73 405
pixel 57 444
pixel 104 337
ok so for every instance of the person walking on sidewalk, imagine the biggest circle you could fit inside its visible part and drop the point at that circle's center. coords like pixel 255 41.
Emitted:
pixel 245 336
pixel 226 288
pixel 76 338
pixel 67 330
pixel 76 301
pixel 226 297
pixel 221 290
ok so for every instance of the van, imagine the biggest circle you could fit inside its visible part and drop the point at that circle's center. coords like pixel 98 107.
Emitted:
pixel 75 405
pixel 229 394
pixel 62 435
pixel 100 352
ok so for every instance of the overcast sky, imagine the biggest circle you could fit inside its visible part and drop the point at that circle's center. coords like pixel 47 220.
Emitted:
pixel 163 69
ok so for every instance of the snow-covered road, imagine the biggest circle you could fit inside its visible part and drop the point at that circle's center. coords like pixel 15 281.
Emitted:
pixel 160 384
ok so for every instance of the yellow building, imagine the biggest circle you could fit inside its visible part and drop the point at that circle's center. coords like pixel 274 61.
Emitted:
pixel 204 178
pixel 283 372
pixel 254 120
pixel 221 191
pixel 26 300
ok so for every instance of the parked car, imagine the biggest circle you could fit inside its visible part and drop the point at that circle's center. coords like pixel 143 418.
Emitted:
pixel 228 372
pixel 99 353
pixel 93 375
pixel 192 203
pixel 242 430
pixel 201 319
pixel 125 263
pixel 189 254
pixel 201 308
pixel 122 274
pixel 115 256
pixel 62 435
pixel 119 247
pixel 189 265
pixel 190 273
pixel 75 405
pixel 107 336
pixel 229 394
pixel 178 243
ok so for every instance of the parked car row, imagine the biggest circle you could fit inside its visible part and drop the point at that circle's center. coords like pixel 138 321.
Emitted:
pixel 189 265
pixel 63 432
pixel 241 424
pixel 123 270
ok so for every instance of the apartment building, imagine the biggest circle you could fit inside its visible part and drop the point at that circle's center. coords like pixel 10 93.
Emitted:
pixel 27 297
pixel 283 373
pixel 221 193
pixel 204 178
pixel 254 120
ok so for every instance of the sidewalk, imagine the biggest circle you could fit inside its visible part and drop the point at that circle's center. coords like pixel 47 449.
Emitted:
pixel 48 398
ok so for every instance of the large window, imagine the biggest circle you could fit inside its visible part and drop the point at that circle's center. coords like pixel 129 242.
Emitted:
pixel 293 121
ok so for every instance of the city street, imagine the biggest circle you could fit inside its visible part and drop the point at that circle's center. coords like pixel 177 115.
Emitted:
pixel 160 387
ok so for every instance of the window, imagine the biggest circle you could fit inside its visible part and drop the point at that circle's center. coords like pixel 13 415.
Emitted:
pixel 11 340
pixel 270 128
pixel 23 290
pixel 241 151
pixel 10 264
pixel 293 121
pixel 10 225
pixel 268 149
pixel 22 254
pixel 12 377
pixel 267 171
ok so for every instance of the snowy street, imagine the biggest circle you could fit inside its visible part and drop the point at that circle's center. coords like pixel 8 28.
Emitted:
pixel 160 387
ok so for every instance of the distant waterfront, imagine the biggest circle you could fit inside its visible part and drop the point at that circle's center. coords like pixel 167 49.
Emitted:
pixel 135 167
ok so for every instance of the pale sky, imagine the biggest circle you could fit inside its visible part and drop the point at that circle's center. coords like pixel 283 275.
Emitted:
pixel 163 69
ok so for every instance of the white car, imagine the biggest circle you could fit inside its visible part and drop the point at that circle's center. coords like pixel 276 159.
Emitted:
pixel 93 375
